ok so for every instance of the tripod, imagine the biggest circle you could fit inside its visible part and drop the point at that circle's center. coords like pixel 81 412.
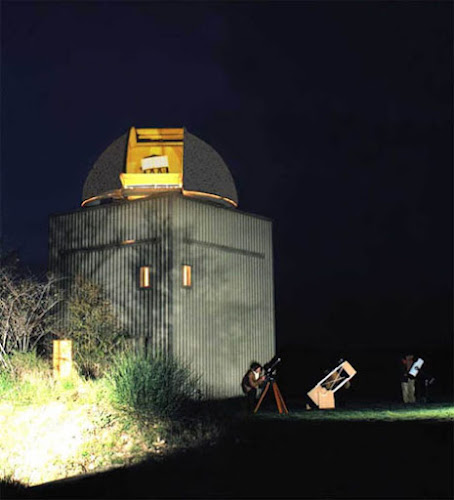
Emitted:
pixel 277 396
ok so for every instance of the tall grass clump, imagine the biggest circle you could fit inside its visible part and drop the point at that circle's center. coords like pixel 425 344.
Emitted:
pixel 156 384
pixel 27 379
pixel 25 365
pixel 6 382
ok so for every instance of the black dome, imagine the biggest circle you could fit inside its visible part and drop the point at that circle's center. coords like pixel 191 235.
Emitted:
pixel 204 171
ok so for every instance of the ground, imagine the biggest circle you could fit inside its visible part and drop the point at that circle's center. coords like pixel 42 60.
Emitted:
pixel 345 453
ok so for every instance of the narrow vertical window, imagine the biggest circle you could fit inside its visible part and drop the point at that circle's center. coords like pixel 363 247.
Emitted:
pixel 144 280
pixel 187 276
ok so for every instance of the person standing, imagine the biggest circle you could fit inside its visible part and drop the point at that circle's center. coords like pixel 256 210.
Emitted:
pixel 407 381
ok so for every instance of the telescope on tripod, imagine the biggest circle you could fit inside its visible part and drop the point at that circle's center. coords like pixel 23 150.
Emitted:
pixel 270 380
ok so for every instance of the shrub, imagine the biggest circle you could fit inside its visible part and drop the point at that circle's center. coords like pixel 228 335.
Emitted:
pixel 90 322
pixel 157 384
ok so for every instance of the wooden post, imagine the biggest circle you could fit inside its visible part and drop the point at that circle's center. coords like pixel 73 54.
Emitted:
pixel 62 358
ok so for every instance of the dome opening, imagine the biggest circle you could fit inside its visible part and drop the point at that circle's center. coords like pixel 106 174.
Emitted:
pixel 145 162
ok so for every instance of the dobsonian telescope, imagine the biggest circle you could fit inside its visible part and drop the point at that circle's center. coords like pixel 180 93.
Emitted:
pixel 270 380
pixel 323 393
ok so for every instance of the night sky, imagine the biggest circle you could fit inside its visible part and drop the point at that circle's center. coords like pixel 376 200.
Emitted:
pixel 335 120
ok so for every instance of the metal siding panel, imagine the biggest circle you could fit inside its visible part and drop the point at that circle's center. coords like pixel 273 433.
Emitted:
pixel 223 353
pixel 219 325
pixel 110 225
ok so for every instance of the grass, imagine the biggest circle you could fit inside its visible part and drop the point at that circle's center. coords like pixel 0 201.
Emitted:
pixel 76 432
pixel 298 458
pixel 440 412
pixel 55 429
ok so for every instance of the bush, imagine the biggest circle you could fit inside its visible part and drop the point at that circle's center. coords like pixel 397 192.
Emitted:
pixel 90 322
pixel 157 384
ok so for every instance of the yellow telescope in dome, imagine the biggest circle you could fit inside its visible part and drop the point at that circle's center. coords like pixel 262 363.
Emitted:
pixel 154 161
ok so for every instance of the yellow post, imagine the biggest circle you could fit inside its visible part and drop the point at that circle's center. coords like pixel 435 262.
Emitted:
pixel 62 358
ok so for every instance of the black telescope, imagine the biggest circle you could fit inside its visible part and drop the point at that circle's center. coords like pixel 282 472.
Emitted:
pixel 270 367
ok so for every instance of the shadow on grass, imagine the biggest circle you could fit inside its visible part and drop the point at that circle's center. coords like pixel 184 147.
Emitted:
pixel 12 489
pixel 275 456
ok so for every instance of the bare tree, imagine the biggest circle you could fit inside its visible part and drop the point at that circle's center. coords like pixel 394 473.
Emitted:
pixel 26 310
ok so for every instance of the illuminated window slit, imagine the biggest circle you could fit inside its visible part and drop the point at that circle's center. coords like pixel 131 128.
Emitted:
pixel 187 276
pixel 144 280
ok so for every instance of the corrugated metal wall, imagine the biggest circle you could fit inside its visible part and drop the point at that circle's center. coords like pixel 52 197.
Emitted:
pixel 226 319
pixel 220 324
pixel 91 242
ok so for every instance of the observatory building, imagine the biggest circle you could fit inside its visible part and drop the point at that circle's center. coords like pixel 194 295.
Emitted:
pixel 188 273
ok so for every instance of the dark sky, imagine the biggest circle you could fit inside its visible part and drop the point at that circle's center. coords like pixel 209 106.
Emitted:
pixel 334 118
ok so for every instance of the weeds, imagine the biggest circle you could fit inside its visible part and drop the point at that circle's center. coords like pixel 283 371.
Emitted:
pixel 158 385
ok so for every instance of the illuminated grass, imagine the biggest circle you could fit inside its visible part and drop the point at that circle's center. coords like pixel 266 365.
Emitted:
pixel 439 413
pixel 67 437
pixel 52 430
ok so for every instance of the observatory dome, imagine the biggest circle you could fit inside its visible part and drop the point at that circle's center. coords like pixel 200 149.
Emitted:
pixel 144 162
